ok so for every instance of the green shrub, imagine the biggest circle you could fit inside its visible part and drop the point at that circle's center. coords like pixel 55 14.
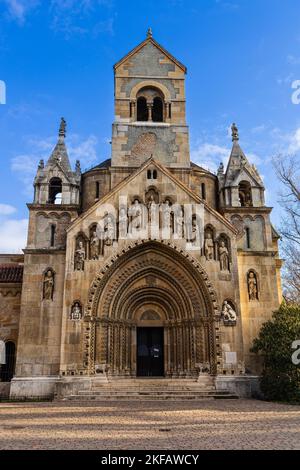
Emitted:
pixel 280 379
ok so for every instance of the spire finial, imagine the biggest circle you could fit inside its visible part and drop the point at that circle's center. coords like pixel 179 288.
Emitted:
pixel 234 132
pixel 221 169
pixel 62 128
pixel 149 33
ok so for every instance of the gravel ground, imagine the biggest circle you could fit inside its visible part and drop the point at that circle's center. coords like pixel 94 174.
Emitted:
pixel 216 424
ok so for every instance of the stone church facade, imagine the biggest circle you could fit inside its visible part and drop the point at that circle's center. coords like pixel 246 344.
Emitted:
pixel 145 265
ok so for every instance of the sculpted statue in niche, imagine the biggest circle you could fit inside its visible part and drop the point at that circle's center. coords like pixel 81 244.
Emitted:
pixel 152 195
pixel 209 245
pixel 94 245
pixel 193 231
pixel 135 216
pixel 223 256
pixel 167 216
pixel 152 211
pixel 245 194
pixel 123 223
pixel 109 229
pixel 76 311
pixel 178 221
pixel 252 286
pixel 228 313
pixel 80 256
pixel 48 285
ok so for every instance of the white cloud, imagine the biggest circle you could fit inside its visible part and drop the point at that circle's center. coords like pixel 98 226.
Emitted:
pixel 6 209
pixel 83 150
pixel 18 9
pixel 66 16
pixel 209 155
pixel 294 144
pixel 13 235
pixel 258 129
pixel 25 165
pixel 69 17
pixel 292 60
pixel 253 158
pixel 285 80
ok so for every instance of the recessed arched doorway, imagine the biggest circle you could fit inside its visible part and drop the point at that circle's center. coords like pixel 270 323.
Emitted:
pixel 7 370
pixel 153 297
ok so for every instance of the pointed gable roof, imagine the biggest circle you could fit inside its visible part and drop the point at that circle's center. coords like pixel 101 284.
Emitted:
pixel 238 163
pixel 149 40
pixel 166 172
pixel 59 159
pixel 59 154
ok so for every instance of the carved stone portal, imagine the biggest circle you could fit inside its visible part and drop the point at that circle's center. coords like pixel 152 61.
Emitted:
pixel 119 304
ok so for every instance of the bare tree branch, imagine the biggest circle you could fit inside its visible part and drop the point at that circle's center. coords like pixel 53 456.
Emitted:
pixel 288 172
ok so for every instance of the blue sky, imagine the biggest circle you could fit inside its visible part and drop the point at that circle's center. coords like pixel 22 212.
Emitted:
pixel 56 59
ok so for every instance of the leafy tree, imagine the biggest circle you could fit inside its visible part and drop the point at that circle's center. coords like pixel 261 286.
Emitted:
pixel 280 379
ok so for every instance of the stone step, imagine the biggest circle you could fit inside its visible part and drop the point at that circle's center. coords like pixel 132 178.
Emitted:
pixel 150 397
pixel 151 390
pixel 145 393
pixel 156 384
pixel 133 395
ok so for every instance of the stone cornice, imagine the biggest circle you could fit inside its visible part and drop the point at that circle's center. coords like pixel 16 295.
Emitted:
pixel 38 251
pixel 246 210
pixel 270 254
pixel 56 207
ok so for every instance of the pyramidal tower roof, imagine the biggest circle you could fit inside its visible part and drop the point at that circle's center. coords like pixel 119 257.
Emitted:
pixel 58 163
pixel 59 155
pixel 151 40
pixel 238 161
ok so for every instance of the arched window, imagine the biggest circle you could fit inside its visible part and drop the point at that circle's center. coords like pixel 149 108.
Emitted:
pixel 245 194
pixel 203 191
pixel 7 370
pixel 248 240
pixel 150 105
pixel 149 174
pixel 157 110
pixel 142 109
pixel 97 189
pixel 55 191
pixel 52 235
pixel 154 174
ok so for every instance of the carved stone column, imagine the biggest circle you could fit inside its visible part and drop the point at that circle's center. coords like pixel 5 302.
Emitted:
pixel 133 110
pixel 150 106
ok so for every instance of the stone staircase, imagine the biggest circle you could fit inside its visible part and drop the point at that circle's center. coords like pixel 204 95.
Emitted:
pixel 151 389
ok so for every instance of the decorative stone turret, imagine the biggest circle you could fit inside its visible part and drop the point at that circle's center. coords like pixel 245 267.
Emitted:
pixel 56 183
pixel 241 186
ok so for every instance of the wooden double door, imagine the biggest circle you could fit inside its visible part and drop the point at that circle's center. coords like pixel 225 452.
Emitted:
pixel 150 351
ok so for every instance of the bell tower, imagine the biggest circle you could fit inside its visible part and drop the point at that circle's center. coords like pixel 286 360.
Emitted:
pixel 56 198
pixel 150 108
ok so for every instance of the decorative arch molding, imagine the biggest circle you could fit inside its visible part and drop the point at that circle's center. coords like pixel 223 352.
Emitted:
pixel 169 249
pixel 151 275
pixel 150 84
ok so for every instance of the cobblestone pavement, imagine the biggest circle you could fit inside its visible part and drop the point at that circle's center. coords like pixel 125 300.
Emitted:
pixel 216 424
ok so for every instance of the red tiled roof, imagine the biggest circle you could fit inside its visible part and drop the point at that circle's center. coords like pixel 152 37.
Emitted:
pixel 11 273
